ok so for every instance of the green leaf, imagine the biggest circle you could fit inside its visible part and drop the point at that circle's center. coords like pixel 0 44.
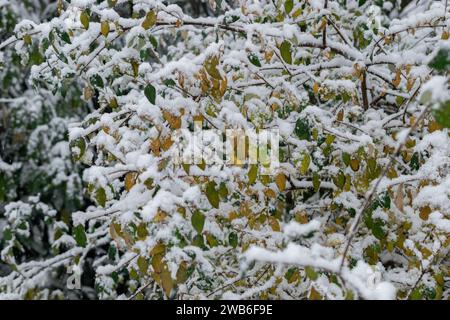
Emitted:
pixel 142 264
pixel 78 148
pixel 339 180
pixel 442 114
pixel 233 239
pixel 100 196
pixel 305 164
pixel 212 241
pixel 288 5
pixel 414 163
pixel 198 221
pixel 385 200
pixel 416 294
pixel 316 181
pixel 376 226
pixel 252 174
pixel 302 130
pixel 84 19
pixel 7 234
pixel 211 67
pixel 150 93
pixel 311 274
pixel 169 82
pixel 330 139
pixel 80 235
pixel 97 81
pixel 183 272
pixel 112 252
pixel 65 37
pixel 346 158
pixel 441 62
pixel 142 231
pixel 27 39
pixel 212 194
pixel 378 231
pixel 154 42
pixel 286 53
pixel 198 241
pixel 254 59
pixel 223 190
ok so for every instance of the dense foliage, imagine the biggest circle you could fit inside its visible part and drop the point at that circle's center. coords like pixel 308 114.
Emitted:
pixel 359 206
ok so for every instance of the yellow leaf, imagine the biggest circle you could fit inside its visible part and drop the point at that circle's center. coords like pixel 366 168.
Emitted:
pixel 314 294
pixel 174 121
pixel 113 103
pixel 150 20
pixel 211 67
pixel 160 248
pixel 274 224
pixel 232 215
pixel 182 273
pixel 166 143
pixel 135 67
pixel 390 246
pixel 354 164
pixel 142 264
pixel 166 281
pixel 301 217
pixel 252 174
pixel 280 181
pixel 316 88
pixel 84 19
pixel 329 139
pixel 157 263
pixel 155 146
pixel 305 164
pixel 270 193
pixel 433 126
pixel 27 39
pixel 104 28
pixel 160 216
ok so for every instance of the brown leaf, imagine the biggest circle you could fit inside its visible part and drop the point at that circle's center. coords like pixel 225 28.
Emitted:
pixel 399 197
pixel 397 78
pixel 424 213
pixel 340 115
pixel 130 180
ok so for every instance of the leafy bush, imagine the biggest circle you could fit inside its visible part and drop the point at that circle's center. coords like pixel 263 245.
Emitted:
pixel 358 207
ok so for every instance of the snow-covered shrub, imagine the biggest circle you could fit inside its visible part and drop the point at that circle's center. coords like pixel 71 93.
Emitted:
pixel 40 185
pixel 358 91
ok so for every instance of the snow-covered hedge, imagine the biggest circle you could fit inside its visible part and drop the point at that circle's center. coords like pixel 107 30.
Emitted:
pixel 358 207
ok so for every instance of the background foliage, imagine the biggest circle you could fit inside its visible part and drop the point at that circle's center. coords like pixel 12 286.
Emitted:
pixel 92 91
